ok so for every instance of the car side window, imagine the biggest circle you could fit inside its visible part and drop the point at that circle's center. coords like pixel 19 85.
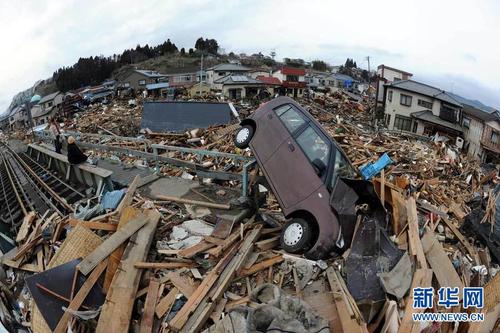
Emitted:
pixel 291 117
pixel 314 146
pixel 342 168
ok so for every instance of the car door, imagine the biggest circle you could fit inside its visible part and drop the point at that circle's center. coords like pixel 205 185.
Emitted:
pixel 290 169
pixel 270 132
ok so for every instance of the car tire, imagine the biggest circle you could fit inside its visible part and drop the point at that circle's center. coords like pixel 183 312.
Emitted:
pixel 296 236
pixel 243 136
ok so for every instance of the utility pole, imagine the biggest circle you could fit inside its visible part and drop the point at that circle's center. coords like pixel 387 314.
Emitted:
pixel 369 86
pixel 201 73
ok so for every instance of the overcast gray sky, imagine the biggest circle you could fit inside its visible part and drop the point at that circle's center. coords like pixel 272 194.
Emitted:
pixel 449 43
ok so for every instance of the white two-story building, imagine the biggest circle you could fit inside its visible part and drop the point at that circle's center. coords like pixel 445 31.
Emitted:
pixel 417 107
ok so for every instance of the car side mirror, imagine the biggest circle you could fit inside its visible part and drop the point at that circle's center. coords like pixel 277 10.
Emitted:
pixel 319 167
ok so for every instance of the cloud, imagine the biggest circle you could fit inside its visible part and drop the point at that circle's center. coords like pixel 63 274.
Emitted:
pixel 447 39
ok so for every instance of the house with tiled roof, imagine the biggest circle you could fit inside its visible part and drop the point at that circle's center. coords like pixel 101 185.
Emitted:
pixel 420 108
pixel 292 79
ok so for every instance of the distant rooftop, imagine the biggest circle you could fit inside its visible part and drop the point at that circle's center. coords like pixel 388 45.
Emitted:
pixel 237 79
pixel 49 97
pixel 426 90
pixel 394 69
pixel 149 73
pixel 229 67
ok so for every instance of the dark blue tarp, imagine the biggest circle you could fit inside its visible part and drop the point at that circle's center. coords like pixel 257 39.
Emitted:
pixel 167 116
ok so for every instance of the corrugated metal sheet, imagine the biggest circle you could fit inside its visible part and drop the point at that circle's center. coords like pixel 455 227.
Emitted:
pixel 168 116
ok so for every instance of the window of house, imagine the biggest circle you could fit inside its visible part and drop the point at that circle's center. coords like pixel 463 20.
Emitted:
pixel 291 117
pixel 292 78
pixel 126 84
pixel 447 113
pixel 402 123
pixel 387 119
pixel 425 104
pixel 397 79
pixel 142 82
pixel 389 96
pixel 405 100
pixel 314 146
pixel 466 122
pixel 494 137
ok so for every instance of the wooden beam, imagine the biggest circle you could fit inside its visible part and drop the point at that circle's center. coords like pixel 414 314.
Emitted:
pixel 195 249
pixel 197 310
pixel 421 279
pixel 149 307
pixel 94 225
pixel 166 302
pixel 162 265
pixel 195 202
pixel 117 310
pixel 183 284
pixel 268 244
pixel 441 265
pixel 80 296
pixel 260 266
pixel 127 215
pixel 129 196
pixel 413 233
pixel 25 226
pixel 111 244
pixel 462 240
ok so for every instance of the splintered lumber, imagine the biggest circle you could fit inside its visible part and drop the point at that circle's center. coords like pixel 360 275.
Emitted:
pixel 440 263
pixel 347 315
pixel 219 308
pixel 268 244
pixel 462 239
pixel 182 283
pixel 149 307
pixel 25 226
pixel 166 302
pixel 117 309
pixel 421 279
pixel 260 266
pixel 111 244
pixel 194 202
pixel 127 215
pixel 80 296
pixel 492 293
pixel 129 196
pixel 200 305
pixel 195 249
pixel 162 265
pixel 413 234
pixel 93 225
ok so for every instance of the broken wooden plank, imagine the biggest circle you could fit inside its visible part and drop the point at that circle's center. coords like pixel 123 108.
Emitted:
pixel 127 215
pixel 111 244
pixel 268 244
pixel 194 202
pixel 183 284
pixel 166 302
pixel 421 279
pixel 462 239
pixel 129 196
pixel 192 318
pixel 80 296
pixel 344 308
pixel 25 226
pixel 162 265
pixel 195 249
pixel 94 225
pixel 440 263
pixel 413 233
pixel 117 310
pixel 149 307
pixel 260 266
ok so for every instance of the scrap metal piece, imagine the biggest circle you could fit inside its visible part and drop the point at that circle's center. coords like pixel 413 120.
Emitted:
pixel 371 253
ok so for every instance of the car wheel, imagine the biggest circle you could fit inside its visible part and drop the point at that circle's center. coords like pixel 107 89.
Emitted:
pixel 296 236
pixel 243 136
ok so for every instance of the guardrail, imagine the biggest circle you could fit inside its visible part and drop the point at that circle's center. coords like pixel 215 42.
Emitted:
pixel 155 156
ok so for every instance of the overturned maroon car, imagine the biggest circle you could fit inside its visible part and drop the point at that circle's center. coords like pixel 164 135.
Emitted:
pixel 309 174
